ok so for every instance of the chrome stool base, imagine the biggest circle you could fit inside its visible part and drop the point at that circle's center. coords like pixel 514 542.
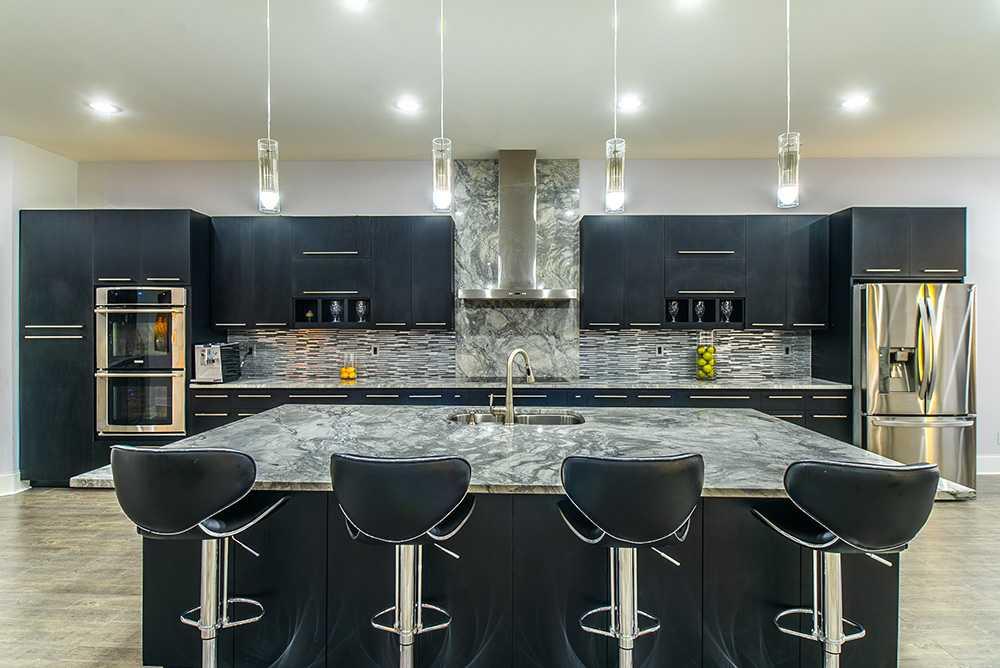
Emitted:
pixel 408 612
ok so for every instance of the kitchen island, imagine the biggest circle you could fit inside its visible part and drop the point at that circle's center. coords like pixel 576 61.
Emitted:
pixel 523 579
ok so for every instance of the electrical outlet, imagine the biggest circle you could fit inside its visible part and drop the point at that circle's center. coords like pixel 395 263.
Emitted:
pixel 374 351
pixel 788 350
pixel 659 351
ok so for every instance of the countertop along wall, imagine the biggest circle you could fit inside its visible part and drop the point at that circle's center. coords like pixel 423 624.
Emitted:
pixel 654 186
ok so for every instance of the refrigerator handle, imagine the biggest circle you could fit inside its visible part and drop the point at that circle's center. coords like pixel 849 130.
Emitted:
pixel 923 359
pixel 930 342
pixel 932 423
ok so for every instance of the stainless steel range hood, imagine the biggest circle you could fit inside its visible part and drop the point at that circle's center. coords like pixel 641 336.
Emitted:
pixel 518 237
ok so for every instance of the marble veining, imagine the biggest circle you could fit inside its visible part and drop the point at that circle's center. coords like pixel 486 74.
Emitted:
pixel 746 452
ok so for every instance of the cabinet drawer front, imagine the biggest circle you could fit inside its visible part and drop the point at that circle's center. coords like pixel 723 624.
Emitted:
pixel 210 401
pixel 256 401
pixel 331 277
pixel 833 401
pixel 721 399
pixel 529 397
pixel 609 398
pixel 323 396
pixel 331 237
pixel 432 397
pixel 794 417
pixel 706 236
pixel 654 398
pixel 783 401
pixel 706 276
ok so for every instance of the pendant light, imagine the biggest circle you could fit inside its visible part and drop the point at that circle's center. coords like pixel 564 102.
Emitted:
pixel 268 197
pixel 441 146
pixel 788 141
pixel 614 148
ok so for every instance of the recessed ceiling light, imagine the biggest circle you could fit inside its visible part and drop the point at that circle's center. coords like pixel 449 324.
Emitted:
pixel 855 102
pixel 356 5
pixel 688 5
pixel 629 103
pixel 104 107
pixel 407 104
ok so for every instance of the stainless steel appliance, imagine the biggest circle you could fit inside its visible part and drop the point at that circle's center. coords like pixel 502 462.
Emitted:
pixel 140 360
pixel 216 362
pixel 917 374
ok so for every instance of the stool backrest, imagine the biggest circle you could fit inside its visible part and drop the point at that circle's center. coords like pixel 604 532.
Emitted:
pixel 398 500
pixel 639 501
pixel 171 490
pixel 870 507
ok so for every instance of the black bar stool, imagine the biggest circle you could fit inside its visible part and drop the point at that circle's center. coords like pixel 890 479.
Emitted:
pixel 848 509
pixel 408 503
pixel 195 494
pixel 625 504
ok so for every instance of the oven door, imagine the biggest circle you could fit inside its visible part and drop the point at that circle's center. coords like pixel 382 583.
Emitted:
pixel 140 403
pixel 135 339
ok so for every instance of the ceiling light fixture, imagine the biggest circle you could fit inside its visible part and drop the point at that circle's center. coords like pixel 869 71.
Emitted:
pixel 356 5
pixel 855 102
pixel 268 197
pixel 104 107
pixel 441 197
pixel 788 141
pixel 407 104
pixel 614 148
pixel 630 103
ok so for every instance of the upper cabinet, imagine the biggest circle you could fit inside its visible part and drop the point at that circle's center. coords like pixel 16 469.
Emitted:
pixel 644 267
pixel 602 271
pixel 142 246
pixel 251 257
pixel 271 268
pixel 57 284
pixel 767 283
pixel 432 275
pixel 345 236
pixel 906 242
pixel 391 290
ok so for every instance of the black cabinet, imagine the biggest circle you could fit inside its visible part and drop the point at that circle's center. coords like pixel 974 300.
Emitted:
pixel 346 236
pixel 391 291
pixel 881 242
pixel 272 263
pixel 706 236
pixel 808 271
pixel 232 273
pixel 142 247
pixel 937 243
pixel 56 382
pixel 706 259
pixel 706 276
pixel 602 268
pixel 767 280
pixel 644 267
pixel 432 274
pixel 331 277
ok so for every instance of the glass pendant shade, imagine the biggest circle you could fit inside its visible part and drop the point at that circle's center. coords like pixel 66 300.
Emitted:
pixel 788 170
pixel 268 198
pixel 441 151
pixel 614 190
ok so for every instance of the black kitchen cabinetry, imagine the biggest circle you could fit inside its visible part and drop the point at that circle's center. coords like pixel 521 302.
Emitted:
pixel 56 345
pixel 341 236
pixel 391 291
pixel 644 267
pixel 250 272
pixel 906 242
pixel 602 269
pixel 146 247
pixel 432 276
pixel 788 275
pixel 706 264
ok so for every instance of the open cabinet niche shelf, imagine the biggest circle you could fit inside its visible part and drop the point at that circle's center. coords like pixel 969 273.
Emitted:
pixel 318 313
pixel 686 315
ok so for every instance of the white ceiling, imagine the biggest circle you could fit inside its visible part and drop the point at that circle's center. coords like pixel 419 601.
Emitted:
pixel 521 73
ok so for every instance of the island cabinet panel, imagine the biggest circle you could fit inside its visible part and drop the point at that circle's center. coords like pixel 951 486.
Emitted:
pixel 391 288
pixel 767 276
pixel 602 267
pixel 432 277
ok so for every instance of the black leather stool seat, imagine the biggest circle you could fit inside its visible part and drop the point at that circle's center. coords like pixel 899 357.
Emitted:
pixel 589 532
pixel 230 522
pixel 439 533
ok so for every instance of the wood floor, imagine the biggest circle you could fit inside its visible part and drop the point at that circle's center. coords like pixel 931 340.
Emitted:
pixel 69 583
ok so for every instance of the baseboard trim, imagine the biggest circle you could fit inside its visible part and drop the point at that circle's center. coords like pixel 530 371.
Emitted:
pixel 988 465
pixel 11 483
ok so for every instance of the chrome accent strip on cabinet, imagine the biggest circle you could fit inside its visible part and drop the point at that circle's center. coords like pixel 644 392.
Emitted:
pixel 391 324
pixel 354 252
pixel 706 292
pixel 652 396
pixel 429 324
pixel 884 270
pixel 808 324
pixel 211 396
pixel 317 396
pixel 113 280
pixel 839 397
pixel 604 324
pixel 706 252
pixel 173 279
pixel 35 337
pixel 329 292
pixel 645 324
pixel 230 324
pixel 767 324
pixel 719 396
pixel 785 396
pixel 253 396
pixel 425 396
pixel 832 417
pixel 53 326
pixel 789 417
pixel 382 396
pixel 942 271
pixel 271 324
pixel 211 414
pixel 610 396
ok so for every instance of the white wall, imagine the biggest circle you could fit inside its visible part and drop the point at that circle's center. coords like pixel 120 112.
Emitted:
pixel 29 178
pixel 660 186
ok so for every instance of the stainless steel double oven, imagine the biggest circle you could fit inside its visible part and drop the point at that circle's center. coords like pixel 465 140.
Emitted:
pixel 140 360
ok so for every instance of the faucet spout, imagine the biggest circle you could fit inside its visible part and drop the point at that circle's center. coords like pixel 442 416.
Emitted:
pixel 508 418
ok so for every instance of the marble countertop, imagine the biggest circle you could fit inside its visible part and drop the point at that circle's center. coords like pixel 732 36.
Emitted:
pixel 746 452
pixel 580 383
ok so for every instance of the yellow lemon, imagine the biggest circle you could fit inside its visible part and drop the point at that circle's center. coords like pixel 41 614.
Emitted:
pixel 701 350
pixel 701 374
pixel 701 362
pixel 709 369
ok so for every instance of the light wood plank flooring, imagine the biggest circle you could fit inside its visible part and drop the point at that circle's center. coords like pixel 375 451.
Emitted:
pixel 69 583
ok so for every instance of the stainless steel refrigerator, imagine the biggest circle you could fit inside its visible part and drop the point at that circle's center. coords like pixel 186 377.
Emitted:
pixel 916 370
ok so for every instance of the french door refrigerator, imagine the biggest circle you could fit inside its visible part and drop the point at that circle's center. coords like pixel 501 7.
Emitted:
pixel 916 368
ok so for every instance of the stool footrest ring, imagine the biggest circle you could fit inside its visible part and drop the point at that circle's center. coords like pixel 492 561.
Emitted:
pixel 614 634
pixel 816 634
pixel 443 624
pixel 195 622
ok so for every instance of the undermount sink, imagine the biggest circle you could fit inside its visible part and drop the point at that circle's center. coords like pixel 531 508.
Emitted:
pixel 539 419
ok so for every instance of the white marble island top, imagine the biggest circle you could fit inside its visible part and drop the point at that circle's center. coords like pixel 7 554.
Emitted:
pixel 745 451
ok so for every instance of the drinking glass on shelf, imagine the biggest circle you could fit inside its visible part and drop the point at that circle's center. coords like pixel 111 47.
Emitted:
pixel 362 310
pixel 699 311
pixel 673 308
pixel 336 312
pixel 727 309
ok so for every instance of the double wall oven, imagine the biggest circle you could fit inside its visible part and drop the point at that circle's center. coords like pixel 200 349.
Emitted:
pixel 140 360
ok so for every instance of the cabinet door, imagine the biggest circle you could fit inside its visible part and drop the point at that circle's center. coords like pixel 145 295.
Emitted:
pixel 117 239
pixel 709 276
pixel 56 270
pixel 602 266
pixel 706 236
pixel 808 271
pixel 332 237
pixel 432 273
pixel 391 293
pixel 767 272
pixel 231 272
pixel 644 271
pixel 166 246
pixel 881 242
pixel 272 264
pixel 937 243
pixel 331 277
pixel 56 406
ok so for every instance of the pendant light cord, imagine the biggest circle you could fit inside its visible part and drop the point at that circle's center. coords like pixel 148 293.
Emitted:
pixel 614 60
pixel 788 65
pixel 441 32
pixel 268 50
